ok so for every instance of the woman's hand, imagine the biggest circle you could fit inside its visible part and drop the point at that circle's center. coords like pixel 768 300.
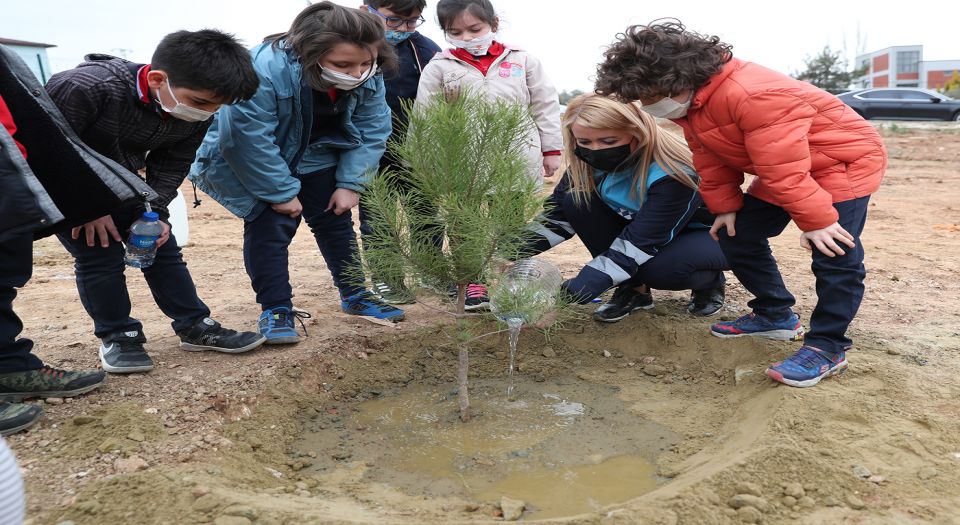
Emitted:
pixel 724 220
pixel 293 208
pixel 825 240
pixel 343 200
pixel 551 163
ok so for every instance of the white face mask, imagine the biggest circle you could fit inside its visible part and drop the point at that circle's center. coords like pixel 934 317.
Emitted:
pixel 476 47
pixel 668 108
pixel 343 81
pixel 183 111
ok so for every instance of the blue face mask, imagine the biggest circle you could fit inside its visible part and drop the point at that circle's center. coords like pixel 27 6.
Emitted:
pixel 396 37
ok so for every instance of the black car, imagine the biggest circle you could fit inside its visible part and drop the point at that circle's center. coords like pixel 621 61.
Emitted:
pixel 902 104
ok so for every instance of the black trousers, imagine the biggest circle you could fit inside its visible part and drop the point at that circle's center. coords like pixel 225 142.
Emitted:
pixel 691 261
pixel 16 267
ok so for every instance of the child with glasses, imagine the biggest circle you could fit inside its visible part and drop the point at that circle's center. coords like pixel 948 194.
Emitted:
pixel 479 63
pixel 414 51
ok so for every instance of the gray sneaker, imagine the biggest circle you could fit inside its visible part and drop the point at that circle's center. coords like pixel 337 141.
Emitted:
pixel 123 353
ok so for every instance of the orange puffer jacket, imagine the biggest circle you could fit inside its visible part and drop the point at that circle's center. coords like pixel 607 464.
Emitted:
pixel 806 147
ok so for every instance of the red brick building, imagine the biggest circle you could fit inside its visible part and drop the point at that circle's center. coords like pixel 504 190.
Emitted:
pixel 903 66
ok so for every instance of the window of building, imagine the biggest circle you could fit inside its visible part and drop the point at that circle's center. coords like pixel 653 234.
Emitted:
pixel 908 61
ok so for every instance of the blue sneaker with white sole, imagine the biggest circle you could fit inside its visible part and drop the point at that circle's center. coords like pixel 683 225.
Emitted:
pixel 368 304
pixel 754 324
pixel 807 367
pixel 278 325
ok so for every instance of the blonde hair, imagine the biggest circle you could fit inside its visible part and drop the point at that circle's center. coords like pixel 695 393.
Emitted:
pixel 654 144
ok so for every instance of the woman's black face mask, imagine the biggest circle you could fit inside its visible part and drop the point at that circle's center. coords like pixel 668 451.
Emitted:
pixel 607 159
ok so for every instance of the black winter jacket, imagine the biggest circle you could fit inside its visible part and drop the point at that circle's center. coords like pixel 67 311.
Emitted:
pixel 100 100
pixel 63 182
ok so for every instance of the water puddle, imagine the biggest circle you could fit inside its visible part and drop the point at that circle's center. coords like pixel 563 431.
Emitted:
pixel 564 447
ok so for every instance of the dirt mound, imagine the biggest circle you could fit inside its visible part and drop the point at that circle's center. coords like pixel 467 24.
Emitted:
pixel 743 449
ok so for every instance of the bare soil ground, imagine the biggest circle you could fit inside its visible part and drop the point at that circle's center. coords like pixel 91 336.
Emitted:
pixel 211 438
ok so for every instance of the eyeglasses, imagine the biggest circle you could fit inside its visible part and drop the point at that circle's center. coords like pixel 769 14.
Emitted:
pixel 395 22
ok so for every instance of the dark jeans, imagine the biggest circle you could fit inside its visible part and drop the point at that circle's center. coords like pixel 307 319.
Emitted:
pixel 103 285
pixel 839 279
pixel 691 261
pixel 266 239
pixel 16 266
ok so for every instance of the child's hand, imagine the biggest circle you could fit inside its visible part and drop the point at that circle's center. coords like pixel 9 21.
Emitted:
pixel 724 220
pixel 551 163
pixel 102 227
pixel 343 200
pixel 293 208
pixel 165 235
pixel 824 239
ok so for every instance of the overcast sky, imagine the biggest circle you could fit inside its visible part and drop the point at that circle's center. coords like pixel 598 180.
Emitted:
pixel 567 35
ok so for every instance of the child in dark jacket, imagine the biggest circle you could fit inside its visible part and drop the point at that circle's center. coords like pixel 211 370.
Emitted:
pixel 401 19
pixel 150 117
pixel 49 180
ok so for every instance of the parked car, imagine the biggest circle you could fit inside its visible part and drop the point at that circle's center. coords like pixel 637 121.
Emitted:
pixel 902 104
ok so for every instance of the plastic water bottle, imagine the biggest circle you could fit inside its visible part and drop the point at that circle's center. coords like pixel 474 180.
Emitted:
pixel 142 243
pixel 527 291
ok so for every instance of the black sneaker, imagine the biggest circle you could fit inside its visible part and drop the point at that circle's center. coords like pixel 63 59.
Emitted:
pixel 704 303
pixel 48 382
pixel 15 417
pixel 123 353
pixel 477 298
pixel 625 300
pixel 209 335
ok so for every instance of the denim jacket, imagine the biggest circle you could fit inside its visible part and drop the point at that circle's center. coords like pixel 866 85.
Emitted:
pixel 255 152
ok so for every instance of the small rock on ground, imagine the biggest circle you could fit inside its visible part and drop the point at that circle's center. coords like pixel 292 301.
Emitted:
pixel 749 488
pixel 749 515
pixel 512 508
pixel 861 471
pixel 855 502
pixel 747 500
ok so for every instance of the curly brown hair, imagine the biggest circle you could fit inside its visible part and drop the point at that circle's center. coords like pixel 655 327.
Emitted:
pixel 659 59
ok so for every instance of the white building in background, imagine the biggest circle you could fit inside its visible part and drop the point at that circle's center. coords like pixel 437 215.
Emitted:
pixel 903 66
pixel 34 54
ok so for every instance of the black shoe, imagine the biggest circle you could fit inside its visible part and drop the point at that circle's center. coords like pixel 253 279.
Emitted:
pixel 625 300
pixel 48 382
pixel 704 303
pixel 123 353
pixel 15 417
pixel 209 335
pixel 398 294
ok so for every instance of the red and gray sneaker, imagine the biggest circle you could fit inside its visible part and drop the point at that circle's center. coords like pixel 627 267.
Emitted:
pixel 807 367
pixel 46 382
pixel 477 298
pixel 756 325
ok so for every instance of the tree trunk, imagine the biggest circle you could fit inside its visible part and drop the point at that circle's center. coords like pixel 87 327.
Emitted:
pixel 463 364
pixel 463 397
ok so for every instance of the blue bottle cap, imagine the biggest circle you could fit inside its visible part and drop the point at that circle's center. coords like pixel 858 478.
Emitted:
pixel 151 216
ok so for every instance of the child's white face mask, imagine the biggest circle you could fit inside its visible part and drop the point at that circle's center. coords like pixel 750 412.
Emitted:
pixel 343 81
pixel 183 111
pixel 668 108
pixel 477 46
